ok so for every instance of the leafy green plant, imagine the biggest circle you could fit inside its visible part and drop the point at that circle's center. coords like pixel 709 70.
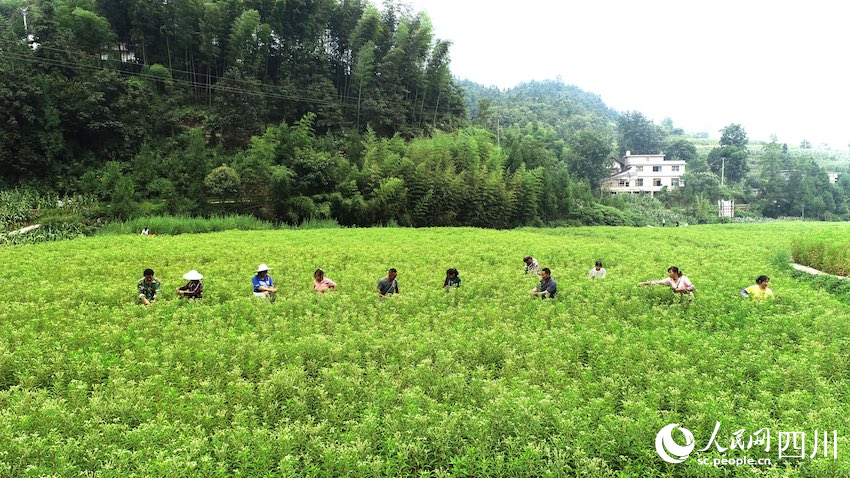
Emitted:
pixel 480 381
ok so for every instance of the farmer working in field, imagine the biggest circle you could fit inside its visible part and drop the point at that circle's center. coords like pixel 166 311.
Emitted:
pixel 194 289
pixel 321 283
pixel 676 280
pixel 531 265
pixel 388 285
pixel 598 272
pixel 452 279
pixel 148 287
pixel 548 287
pixel 759 290
pixel 264 284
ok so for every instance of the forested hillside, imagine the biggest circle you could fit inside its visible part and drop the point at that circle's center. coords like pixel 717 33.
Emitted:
pixel 335 109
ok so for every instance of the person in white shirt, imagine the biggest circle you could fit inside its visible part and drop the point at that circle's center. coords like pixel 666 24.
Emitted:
pixel 598 272
pixel 531 265
pixel 677 281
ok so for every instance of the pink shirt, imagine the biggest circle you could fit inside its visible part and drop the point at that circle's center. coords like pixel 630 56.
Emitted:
pixel 324 285
pixel 683 282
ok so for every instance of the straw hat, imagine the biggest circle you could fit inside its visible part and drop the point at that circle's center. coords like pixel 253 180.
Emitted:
pixel 263 267
pixel 193 275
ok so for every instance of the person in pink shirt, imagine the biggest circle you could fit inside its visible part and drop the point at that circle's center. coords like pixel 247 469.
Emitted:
pixel 321 283
pixel 676 280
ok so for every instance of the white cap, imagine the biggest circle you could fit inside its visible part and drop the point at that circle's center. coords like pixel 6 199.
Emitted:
pixel 193 275
pixel 263 267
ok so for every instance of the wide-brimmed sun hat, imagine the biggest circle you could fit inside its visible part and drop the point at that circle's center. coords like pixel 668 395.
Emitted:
pixel 193 275
pixel 263 267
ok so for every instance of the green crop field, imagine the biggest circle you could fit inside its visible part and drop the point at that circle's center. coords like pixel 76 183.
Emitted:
pixel 481 381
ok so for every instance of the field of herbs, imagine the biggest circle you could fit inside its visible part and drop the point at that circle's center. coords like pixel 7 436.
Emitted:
pixel 480 381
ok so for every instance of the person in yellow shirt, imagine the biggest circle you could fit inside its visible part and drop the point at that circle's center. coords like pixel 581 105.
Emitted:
pixel 759 290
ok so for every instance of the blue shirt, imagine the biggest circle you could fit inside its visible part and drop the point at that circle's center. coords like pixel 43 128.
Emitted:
pixel 549 286
pixel 267 282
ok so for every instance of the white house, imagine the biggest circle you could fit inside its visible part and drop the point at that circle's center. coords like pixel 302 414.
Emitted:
pixel 644 173
pixel 124 53
pixel 833 176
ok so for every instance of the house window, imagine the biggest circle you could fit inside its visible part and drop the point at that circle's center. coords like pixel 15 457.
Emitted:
pixel 624 183
pixel 675 169
pixel 640 183
pixel 639 169
pixel 656 182
pixel 656 169
pixel 674 182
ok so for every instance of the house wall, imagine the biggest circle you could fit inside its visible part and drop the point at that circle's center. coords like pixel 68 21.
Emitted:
pixel 642 168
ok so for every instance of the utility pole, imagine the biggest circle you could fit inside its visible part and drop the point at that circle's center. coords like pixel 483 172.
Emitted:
pixel 722 169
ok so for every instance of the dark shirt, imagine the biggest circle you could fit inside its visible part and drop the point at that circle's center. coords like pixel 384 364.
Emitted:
pixel 549 286
pixel 386 287
pixel 195 288
pixel 452 282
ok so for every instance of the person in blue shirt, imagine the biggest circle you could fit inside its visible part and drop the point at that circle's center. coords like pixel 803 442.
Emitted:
pixel 452 279
pixel 264 284
pixel 548 287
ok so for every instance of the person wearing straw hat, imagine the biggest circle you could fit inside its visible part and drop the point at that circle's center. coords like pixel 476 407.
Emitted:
pixel 263 283
pixel 194 288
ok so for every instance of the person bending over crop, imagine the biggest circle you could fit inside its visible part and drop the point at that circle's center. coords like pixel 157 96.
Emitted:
pixel 148 287
pixel 452 279
pixel 598 272
pixel 194 289
pixel 759 290
pixel 678 281
pixel 321 283
pixel 389 284
pixel 548 287
pixel 263 283
pixel 531 265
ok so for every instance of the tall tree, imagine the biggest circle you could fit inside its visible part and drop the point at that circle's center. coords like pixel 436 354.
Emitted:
pixel 639 135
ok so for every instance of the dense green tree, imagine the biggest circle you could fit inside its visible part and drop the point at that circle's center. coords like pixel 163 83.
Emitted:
pixel 588 156
pixel 680 150
pixel 639 135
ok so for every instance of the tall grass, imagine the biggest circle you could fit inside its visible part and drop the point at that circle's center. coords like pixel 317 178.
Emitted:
pixel 186 225
pixel 826 253
pixel 172 225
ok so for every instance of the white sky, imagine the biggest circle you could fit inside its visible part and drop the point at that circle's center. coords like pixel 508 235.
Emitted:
pixel 777 67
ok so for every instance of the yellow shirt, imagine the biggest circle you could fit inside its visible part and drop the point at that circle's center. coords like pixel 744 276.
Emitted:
pixel 756 292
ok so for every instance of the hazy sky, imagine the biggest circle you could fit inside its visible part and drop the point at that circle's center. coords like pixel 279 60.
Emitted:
pixel 777 67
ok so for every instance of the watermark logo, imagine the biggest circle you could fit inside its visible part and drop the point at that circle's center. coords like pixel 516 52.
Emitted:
pixel 792 445
pixel 668 449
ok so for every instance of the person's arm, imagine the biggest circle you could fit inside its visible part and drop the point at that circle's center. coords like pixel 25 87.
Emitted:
pixel 666 281
pixel 551 289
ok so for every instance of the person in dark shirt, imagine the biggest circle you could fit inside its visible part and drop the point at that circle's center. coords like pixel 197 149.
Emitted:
pixel 452 279
pixel 548 287
pixel 388 285
pixel 194 289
